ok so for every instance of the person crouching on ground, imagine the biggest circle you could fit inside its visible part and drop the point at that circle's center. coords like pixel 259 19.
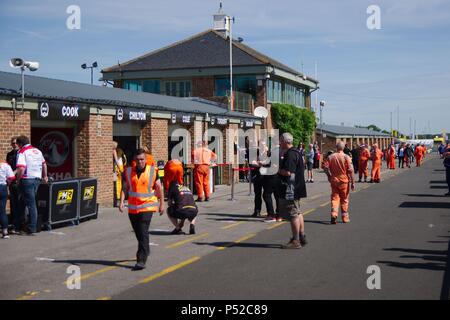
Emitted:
pixel 182 206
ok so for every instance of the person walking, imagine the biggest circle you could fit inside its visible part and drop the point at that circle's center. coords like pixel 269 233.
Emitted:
pixel 6 177
pixel 446 157
pixel 401 156
pixel 364 156
pixel 339 171
pixel 11 159
pixel 120 162
pixel 202 160
pixel 291 188
pixel 391 156
pixel 31 170
pixel 144 191
pixel 355 158
pixel 376 157
pixel 310 163
pixel 418 154
pixel 408 155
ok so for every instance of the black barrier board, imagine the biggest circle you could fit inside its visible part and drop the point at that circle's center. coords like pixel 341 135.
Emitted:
pixel 88 198
pixel 63 201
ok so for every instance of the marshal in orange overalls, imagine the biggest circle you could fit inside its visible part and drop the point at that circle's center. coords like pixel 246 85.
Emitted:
pixel 173 171
pixel 363 162
pixel 391 157
pixel 202 160
pixel 340 169
pixel 418 154
pixel 377 156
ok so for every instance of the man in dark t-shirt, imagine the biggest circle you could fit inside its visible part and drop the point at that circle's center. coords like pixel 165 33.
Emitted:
pixel 181 206
pixel 291 189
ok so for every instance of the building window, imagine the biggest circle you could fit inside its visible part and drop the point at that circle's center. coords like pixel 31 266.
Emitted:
pixel 274 91
pixel 244 84
pixel 133 85
pixel 178 88
pixel 152 86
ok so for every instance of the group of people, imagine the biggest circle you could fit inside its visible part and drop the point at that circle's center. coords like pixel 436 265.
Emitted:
pixel 20 176
pixel 148 195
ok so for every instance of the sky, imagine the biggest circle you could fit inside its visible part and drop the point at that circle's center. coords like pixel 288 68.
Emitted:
pixel 365 74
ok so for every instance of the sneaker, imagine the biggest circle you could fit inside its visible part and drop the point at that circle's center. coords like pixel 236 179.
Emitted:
pixel 333 220
pixel 370 181
pixel 293 244
pixel 278 218
pixel 359 180
pixel 345 219
pixel 13 231
pixel 177 231
pixel 199 200
pixel 206 199
pixel 312 181
pixel 139 266
pixel 270 218
pixel 303 240
pixel 5 234
pixel 192 229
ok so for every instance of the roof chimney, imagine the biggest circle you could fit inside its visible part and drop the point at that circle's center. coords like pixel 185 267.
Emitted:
pixel 221 24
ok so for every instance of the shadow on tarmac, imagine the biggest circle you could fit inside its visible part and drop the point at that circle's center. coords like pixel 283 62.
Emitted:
pixel 241 245
pixel 428 205
pixel 118 263
pixel 437 260
pixel 438 187
pixel 439 181
pixel 425 195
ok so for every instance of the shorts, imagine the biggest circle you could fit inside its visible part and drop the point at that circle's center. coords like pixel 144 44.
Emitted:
pixel 310 165
pixel 288 209
pixel 189 214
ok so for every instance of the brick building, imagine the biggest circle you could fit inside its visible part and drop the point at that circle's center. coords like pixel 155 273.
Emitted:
pixel 75 124
pixel 331 134
pixel 200 66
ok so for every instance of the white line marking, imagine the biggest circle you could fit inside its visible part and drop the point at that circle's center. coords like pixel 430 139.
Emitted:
pixel 43 259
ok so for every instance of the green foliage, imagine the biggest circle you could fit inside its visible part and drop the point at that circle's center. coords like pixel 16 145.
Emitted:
pixel 300 122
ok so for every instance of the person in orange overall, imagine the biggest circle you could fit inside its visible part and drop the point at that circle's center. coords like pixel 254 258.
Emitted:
pixel 364 156
pixel 424 151
pixel 418 154
pixel 339 170
pixel 376 158
pixel 202 161
pixel 173 171
pixel 391 156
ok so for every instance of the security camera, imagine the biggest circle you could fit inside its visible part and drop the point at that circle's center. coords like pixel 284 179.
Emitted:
pixel 32 65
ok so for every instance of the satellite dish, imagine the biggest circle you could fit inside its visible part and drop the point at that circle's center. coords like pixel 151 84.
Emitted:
pixel 261 112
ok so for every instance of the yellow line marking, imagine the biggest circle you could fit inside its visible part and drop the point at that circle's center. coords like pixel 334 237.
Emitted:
pixel 308 212
pixel 325 204
pixel 28 295
pixel 177 244
pixel 315 197
pixel 275 225
pixel 233 225
pixel 104 298
pixel 170 269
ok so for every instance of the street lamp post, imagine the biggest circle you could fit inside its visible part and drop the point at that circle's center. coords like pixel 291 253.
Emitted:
pixel 94 65
pixel 322 104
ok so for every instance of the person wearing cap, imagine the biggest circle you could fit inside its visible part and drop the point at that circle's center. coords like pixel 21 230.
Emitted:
pixel 364 156
pixel 202 160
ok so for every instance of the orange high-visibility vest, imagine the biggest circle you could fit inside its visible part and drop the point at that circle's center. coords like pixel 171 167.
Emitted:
pixel 141 194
